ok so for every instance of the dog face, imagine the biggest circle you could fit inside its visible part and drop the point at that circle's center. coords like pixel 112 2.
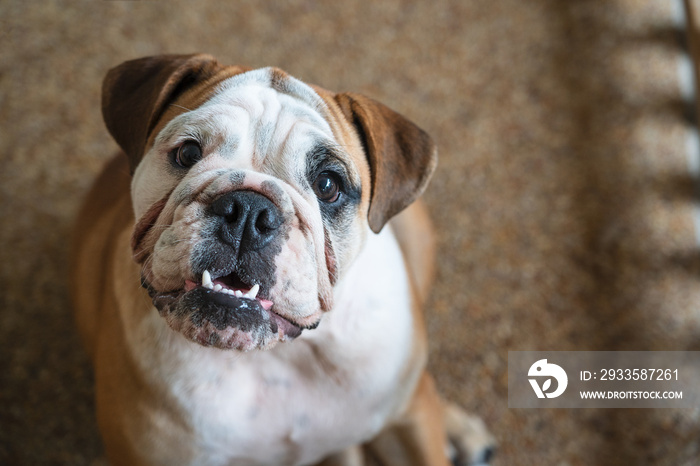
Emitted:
pixel 253 192
pixel 252 183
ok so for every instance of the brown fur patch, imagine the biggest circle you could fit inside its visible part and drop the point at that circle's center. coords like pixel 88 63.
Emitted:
pixel 143 227
pixel 402 157
pixel 140 96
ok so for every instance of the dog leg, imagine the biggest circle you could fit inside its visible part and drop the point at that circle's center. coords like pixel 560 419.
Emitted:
pixel 352 456
pixel 414 232
pixel 419 438
pixel 470 441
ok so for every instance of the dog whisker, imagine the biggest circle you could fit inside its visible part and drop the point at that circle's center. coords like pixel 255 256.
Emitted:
pixel 180 106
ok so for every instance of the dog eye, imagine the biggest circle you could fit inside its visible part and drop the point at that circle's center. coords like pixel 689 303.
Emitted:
pixel 188 154
pixel 327 187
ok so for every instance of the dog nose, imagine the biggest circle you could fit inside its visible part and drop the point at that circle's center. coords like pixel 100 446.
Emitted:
pixel 249 220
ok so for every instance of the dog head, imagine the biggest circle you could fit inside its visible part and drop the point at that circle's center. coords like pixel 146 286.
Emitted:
pixel 253 192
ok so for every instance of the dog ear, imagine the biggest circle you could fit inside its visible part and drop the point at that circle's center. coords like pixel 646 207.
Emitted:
pixel 401 156
pixel 136 93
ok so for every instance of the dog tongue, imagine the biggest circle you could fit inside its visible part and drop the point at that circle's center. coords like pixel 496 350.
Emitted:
pixel 265 303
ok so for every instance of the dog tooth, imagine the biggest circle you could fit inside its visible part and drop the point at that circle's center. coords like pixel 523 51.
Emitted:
pixel 239 294
pixel 206 279
pixel 253 292
pixel 229 292
pixel 218 287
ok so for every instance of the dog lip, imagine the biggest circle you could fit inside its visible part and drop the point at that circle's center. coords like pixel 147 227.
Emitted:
pixel 167 302
pixel 221 285
pixel 289 328
pixel 164 301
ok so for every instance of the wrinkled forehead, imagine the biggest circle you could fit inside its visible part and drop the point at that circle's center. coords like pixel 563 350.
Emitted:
pixel 263 105
pixel 268 85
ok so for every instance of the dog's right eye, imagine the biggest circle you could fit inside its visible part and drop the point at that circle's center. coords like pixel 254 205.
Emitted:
pixel 188 154
pixel 327 187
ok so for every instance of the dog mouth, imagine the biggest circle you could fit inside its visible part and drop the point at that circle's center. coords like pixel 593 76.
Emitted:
pixel 224 312
pixel 230 285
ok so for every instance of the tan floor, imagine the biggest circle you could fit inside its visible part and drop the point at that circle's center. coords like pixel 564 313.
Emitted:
pixel 563 198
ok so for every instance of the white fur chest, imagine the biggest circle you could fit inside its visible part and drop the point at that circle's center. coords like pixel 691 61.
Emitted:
pixel 330 388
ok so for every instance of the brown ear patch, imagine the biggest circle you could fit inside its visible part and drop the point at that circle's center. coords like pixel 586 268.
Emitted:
pixel 401 156
pixel 136 93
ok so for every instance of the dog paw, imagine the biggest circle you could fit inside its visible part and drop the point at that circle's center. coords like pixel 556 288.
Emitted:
pixel 470 442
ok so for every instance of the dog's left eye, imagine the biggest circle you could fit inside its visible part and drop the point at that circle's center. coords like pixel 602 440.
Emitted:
pixel 188 154
pixel 327 187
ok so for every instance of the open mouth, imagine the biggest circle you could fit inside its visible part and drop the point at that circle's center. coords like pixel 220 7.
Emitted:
pixel 230 285
pixel 224 312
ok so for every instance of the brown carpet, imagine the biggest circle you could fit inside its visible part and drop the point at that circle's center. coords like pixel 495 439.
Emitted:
pixel 563 199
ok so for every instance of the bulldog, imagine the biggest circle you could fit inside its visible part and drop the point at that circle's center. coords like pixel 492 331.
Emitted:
pixel 237 282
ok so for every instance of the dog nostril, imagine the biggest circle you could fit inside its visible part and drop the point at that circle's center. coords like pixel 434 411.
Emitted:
pixel 232 216
pixel 265 222
pixel 261 222
pixel 225 207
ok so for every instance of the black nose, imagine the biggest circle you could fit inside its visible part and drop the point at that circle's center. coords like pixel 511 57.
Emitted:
pixel 249 220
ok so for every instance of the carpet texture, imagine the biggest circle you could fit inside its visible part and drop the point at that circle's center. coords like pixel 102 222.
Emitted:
pixel 563 200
